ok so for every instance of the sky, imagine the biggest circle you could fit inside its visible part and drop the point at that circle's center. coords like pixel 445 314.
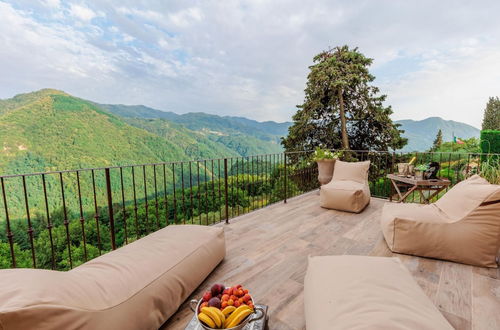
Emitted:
pixel 250 57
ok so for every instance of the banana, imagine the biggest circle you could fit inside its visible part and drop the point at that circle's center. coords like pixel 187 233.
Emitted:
pixel 206 319
pixel 222 317
pixel 235 313
pixel 239 317
pixel 228 310
pixel 213 315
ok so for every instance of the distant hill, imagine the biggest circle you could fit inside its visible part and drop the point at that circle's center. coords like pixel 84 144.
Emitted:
pixel 421 133
pixel 211 125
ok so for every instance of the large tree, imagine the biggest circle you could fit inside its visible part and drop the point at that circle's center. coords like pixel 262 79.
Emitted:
pixel 491 119
pixel 341 108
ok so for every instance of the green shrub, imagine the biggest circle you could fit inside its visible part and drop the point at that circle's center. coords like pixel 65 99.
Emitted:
pixel 490 170
pixel 490 141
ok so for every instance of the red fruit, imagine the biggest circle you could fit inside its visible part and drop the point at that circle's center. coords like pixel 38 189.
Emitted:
pixel 216 289
pixel 245 291
pixel 239 286
pixel 237 303
pixel 240 300
pixel 240 293
pixel 233 297
pixel 223 305
pixel 214 302
pixel 246 297
pixel 207 296
pixel 225 297
pixel 230 302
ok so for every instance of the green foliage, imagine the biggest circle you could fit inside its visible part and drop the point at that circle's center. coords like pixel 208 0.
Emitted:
pixel 490 170
pixel 317 121
pixel 469 146
pixel 422 167
pixel 438 141
pixel 491 119
pixel 320 154
pixel 490 141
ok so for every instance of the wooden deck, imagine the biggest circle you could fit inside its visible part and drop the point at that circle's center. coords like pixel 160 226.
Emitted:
pixel 267 252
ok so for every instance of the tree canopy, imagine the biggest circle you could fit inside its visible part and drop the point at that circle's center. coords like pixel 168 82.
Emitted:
pixel 491 119
pixel 339 85
pixel 438 141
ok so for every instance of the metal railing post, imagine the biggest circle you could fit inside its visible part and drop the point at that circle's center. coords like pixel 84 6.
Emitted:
pixel 286 174
pixel 9 231
pixel 110 209
pixel 226 189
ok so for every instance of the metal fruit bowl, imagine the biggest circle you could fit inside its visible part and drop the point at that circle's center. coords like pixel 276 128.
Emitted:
pixel 256 315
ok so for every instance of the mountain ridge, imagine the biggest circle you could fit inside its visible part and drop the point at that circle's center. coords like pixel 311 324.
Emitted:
pixel 421 133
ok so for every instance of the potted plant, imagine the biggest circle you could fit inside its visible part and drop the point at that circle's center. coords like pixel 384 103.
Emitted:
pixel 326 162
pixel 420 170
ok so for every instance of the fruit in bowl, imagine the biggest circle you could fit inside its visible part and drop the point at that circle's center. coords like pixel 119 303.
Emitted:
pixel 226 308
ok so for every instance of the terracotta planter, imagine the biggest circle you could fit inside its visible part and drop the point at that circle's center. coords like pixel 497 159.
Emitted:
pixel 325 170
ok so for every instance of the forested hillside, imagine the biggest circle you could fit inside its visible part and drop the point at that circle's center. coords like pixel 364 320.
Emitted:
pixel 49 130
pixel 266 135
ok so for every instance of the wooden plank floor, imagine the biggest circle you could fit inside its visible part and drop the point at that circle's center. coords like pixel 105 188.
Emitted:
pixel 267 253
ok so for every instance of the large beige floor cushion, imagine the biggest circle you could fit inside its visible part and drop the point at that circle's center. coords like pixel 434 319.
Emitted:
pixel 138 286
pixel 348 190
pixel 359 292
pixel 462 226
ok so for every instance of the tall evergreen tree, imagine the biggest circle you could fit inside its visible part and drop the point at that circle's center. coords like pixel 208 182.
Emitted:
pixel 491 119
pixel 438 141
pixel 341 108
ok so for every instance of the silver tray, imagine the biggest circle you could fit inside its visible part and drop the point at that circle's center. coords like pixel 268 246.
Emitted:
pixel 257 325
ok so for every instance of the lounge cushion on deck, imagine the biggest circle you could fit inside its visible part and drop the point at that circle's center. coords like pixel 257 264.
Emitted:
pixel 462 226
pixel 348 190
pixel 359 292
pixel 138 286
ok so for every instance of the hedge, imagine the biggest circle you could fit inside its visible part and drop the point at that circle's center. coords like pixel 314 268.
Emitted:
pixel 490 141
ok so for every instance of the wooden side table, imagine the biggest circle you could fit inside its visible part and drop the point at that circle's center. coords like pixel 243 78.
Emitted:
pixel 420 185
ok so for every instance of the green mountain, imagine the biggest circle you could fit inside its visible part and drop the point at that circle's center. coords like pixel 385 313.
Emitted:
pixel 421 133
pixel 49 130
pixel 244 135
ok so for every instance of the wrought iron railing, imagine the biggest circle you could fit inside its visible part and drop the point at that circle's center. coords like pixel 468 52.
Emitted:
pixel 60 219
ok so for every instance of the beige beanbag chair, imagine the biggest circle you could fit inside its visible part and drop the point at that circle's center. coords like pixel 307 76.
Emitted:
pixel 462 226
pixel 359 292
pixel 138 286
pixel 348 190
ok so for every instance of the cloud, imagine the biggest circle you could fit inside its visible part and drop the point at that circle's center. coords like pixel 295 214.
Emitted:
pixel 83 13
pixel 53 3
pixel 250 58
